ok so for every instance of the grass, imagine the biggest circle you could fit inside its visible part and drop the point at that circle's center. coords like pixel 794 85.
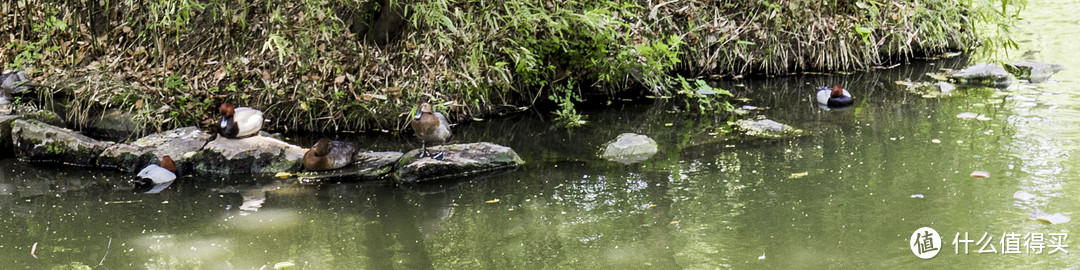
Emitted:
pixel 321 66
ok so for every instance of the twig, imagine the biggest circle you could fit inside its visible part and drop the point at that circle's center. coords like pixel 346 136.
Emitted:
pixel 106 252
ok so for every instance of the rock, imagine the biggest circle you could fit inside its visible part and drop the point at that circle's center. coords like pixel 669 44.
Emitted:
pixel 1035 72
pixel 114 124
pixel 5 133
pixel 179 144
pixel 255 154
pixel 459 159
pixel 945 87
pixel 37 141
pixel 366 166
pixel 765 128
pixel 629 148
pixel 985 74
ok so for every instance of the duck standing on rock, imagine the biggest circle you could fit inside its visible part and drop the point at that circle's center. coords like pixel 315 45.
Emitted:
pixel 155 174
pixel 430 126
pixel 239 122
pixel 836 98
pixel 328 155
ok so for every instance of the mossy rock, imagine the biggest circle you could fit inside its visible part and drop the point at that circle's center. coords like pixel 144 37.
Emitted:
pixel 630 148
pixel 985 74
pixel 458 160
pixel 766 129
pixel 6 146
pixel 256 154
pixel 37 141
pixel 179 144
pixel 1035 72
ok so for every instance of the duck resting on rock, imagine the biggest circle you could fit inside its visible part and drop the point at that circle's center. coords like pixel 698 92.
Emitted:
pixel 430 127
pixel 239 122
pixel 836 98
pixel 328 155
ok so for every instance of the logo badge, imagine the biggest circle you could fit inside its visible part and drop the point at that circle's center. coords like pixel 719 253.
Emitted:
pixel 925 243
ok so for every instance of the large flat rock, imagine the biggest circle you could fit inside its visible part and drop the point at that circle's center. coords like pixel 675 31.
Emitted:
pixel 37 141
pixel 256 154
pixel 984 74
pixel 459 160
pixel 179 144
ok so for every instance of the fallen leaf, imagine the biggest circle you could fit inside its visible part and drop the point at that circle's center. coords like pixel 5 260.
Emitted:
pixel 799 175
pixel 283 175
pixel 492 201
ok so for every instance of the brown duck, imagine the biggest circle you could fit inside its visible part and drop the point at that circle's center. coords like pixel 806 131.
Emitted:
pixel 328 155
pixel 431 127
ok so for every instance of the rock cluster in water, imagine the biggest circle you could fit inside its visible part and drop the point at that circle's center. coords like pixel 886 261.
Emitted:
pixel 196 151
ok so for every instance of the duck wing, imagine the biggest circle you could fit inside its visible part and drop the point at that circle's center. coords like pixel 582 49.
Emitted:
pixel 249 121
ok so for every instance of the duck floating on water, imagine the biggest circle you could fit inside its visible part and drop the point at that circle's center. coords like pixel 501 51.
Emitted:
pixel 239 122
pixel 835 98
pixel 432 127
pixel 328 155
pixel 161 176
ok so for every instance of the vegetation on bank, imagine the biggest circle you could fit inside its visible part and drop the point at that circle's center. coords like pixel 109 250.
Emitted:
pixel 354 65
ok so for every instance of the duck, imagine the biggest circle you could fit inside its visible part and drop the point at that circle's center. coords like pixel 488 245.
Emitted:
pixel 328 155
pixel 155 174
pixel 239 122
pixel 430 127
pixel 835 98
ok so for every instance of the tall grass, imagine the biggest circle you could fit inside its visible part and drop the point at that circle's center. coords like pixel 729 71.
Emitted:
pixel 317 65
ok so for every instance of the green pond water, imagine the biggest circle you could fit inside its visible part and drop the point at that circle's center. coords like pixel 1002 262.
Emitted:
pixel 843 195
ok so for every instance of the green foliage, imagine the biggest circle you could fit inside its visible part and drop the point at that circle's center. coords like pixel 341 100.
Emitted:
pixel 565 97
pixel 702 98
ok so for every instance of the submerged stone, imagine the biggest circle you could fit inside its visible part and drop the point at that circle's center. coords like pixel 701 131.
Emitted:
pixel 1035 72
pixel 985 74
pixel 629 148
pixel 179 144
pixel 37 141
pixel 765 128
pixel 458 160
pixel 255 154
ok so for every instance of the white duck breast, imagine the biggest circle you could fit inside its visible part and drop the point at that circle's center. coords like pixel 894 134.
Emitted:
pixel 157 174
pixel 248 121
pixel 824 95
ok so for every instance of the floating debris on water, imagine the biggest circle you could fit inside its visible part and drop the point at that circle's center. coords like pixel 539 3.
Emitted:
pixel 1023 195
pixel 1055 218
pixel 799 175
pixel 980 174
pixel 935 141
pixel 917 196
pixel 967 115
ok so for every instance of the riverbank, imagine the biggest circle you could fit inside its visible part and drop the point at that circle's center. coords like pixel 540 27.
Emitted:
pixel 342 66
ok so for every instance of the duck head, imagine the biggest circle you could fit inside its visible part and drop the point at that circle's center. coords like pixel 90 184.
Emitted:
pixel 424 108
pixel 837 91
pixel 168 164
pixel 321 148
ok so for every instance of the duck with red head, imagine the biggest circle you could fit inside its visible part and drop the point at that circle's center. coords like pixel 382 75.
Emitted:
pixel 328 155
pixel 837 97
pixel 430 126
pixel 158 174
pixel 238 122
